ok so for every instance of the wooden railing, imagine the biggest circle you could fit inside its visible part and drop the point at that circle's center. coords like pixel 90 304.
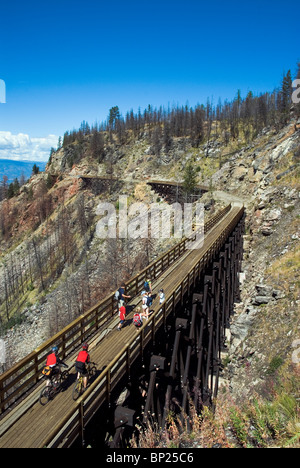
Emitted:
pixel 25 374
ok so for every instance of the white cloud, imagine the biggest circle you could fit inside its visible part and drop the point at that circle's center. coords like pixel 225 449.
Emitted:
pixel 22 147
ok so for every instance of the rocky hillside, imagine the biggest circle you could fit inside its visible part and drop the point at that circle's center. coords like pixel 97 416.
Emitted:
pixel 267 321
pixel 53 267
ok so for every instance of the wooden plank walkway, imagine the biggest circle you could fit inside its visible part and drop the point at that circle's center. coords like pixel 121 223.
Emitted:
pixel 31 430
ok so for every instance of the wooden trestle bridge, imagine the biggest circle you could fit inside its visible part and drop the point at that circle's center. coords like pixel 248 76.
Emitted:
pixel 175 356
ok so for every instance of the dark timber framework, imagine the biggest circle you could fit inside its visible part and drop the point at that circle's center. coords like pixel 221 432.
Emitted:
pixel 174 192
pixel 184 363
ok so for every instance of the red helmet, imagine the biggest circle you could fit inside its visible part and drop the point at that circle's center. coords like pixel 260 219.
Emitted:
pixel 85 347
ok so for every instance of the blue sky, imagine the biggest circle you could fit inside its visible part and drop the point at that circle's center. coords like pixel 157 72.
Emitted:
pixel 68 61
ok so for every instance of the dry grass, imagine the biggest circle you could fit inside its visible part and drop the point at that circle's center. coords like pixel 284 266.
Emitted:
pixel 263 422
pixel 285 270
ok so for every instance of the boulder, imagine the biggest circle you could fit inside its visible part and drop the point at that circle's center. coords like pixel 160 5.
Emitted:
pixel 241 326
pixel 260 300
pixel 264 290
pixel 272 215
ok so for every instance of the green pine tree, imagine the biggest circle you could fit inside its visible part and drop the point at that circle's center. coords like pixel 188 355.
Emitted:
pixel 114 115
pixel 286 97
pixel 35 169
pixel 190 180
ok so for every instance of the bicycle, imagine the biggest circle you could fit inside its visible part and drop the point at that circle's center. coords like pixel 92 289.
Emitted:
pixel 79 385
pixel 55 385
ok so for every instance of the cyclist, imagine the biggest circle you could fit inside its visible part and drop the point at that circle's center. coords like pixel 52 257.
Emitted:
pixel 54 363
pixel 83 359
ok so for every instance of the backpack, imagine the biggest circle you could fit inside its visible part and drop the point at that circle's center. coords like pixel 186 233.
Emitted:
pixel 149 301
pixel 47 371
pixel 137 321
pixel 117 295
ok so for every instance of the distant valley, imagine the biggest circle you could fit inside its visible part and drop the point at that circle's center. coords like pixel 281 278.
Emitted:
pixel 15 169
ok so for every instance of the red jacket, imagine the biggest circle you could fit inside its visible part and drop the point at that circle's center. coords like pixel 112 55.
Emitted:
pixel 51 360
pixel 84 357
pixel 122 313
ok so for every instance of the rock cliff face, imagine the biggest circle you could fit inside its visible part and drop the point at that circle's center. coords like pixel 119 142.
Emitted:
pixel 264 175
pixel 267 321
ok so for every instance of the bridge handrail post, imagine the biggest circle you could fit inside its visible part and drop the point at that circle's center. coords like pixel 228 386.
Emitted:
pixel 2 399
pixel 81 422
pixel 164 309
pixel 137 286
pixel 82 329
pixel 36 368
pixel 108 385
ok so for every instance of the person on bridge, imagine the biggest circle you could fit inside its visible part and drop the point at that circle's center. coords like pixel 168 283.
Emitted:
pixel 54 363
pixel 162 296
pixel 145 306
pixel 138 317
pixel 122 314
pixel 148 286
pixel 147 303
pixel 122 295
pixel 82 362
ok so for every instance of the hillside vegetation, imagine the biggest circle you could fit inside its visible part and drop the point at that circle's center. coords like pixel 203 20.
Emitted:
pixel 53 267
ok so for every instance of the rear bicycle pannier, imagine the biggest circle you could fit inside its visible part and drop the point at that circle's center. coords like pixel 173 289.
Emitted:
pixel 47 371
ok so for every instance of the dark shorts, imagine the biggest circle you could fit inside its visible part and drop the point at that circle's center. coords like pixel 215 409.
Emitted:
pixel 81 367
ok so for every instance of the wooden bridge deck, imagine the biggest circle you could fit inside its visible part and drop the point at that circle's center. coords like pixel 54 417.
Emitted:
pixel 31 429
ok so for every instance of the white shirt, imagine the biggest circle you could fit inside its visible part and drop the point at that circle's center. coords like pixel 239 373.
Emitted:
pixel 162 297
